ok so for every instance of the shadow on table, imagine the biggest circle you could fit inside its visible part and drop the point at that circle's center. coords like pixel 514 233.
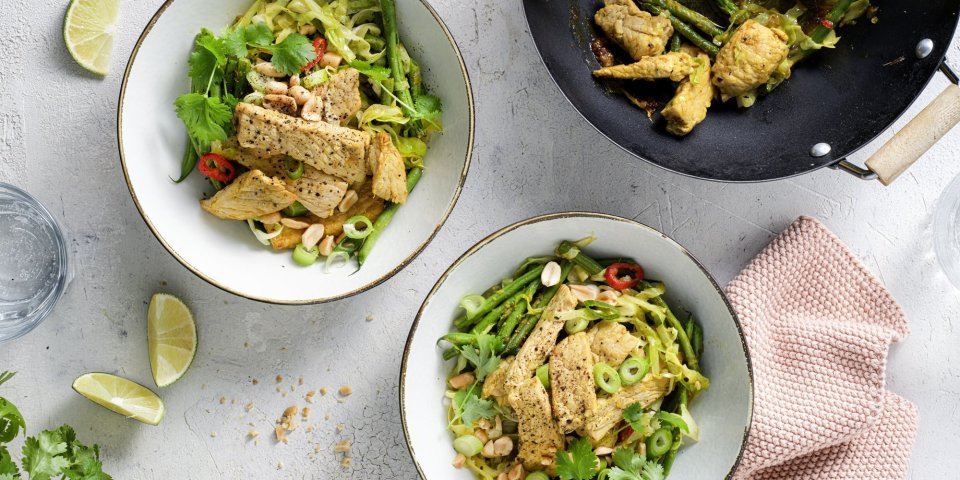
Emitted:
pixel 115 434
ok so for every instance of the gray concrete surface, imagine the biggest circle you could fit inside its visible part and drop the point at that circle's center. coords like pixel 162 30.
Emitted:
pixel 58 140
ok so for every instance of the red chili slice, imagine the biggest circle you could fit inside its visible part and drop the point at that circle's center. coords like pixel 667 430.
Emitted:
pixel 625 434
pixel 319 46
pixel 827 23
pixel 217 167
pixel 623 275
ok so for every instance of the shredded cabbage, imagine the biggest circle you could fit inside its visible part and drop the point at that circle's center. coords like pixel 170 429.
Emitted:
pixel 264 237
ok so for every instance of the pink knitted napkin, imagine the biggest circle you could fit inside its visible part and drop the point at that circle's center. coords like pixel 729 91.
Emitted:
pixel 819 325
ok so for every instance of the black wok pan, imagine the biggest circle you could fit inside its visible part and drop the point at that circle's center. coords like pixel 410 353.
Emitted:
pixel 836 102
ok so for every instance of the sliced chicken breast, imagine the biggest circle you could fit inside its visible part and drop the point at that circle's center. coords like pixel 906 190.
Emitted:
pixel 368 205
pixel 572 388
pixel 251 195
pixel 538 345
pixel 495 383
pixel 318 192
pixel 674 65
pixel 389 172
pixel 748 59
pixel 332 149
pixel 539 436
pixel 340 96
pixel 689 106
pixel 611 343
pixel 638 32
pixel 609 411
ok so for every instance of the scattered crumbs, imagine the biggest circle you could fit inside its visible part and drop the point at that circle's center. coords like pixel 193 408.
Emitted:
pixel 370 317
pixel 317 449
pixel 281 434
pixel 203 386
pixel 346 390
pixel 309 396
pixel 305 413
pixel 246 344
pixel 279 378
pixel 326 417
pixel 233 401
pixel 345 462
pixel 283 349
pixel 208 410
pixel 251 424
pixel 278 389
pixel 284 394
pixel 293 388
pixel 279 465
pixel 223 400
pixel 300 381
pixel 213 434
pixel 323 390
pixel 309 428
pixel 343 446
pixel 254 381
pixel 248 406
pixel 253 434
pixel 340 427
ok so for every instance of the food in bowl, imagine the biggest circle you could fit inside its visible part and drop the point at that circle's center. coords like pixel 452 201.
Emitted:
pixel 311 120
pixel 748 54
pixel 573 369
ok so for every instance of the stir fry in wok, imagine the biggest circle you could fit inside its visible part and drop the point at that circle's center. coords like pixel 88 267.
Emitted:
pixel 751 55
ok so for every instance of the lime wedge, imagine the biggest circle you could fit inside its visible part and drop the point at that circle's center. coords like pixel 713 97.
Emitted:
pixel 171 338
pixel 127 398
pixel 88 30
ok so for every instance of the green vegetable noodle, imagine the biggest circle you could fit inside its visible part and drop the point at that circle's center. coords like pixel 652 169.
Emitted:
pixel 561 335
pixel 258 85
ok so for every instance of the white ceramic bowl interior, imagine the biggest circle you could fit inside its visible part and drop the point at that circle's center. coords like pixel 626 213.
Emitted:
pixel 723 412
pixel 152 141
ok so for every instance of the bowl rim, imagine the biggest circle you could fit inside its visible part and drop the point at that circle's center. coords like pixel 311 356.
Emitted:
pixel 471 126
pixel 559 216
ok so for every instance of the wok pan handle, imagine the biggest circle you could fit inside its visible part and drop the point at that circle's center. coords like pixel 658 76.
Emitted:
pixel 918 136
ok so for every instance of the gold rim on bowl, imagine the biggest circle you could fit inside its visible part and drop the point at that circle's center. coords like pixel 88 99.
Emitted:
pixel 456 194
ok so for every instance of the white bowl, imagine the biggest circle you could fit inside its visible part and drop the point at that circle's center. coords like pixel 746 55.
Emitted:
pixel 723 412
pixel 152 141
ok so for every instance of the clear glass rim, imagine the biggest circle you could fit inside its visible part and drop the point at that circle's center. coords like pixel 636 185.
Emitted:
pixel 46 306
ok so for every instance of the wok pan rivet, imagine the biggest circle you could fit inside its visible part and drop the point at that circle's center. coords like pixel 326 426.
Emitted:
pixel 820 150
pixel 924 48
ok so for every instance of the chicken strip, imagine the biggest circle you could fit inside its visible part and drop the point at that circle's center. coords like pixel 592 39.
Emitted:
pixel 367 205
pixel 748 59
pixel 535 349
pixel 673 65
pixel 495 383
pixel 689 106
pixel 340 96
pixel 572 387
pixel 272 165
pixel 389 172
pixel 611 342
pixel 249 196
pixel 332 149
pixel 318 192
pixel 638 32
pixel 609 411
pixel 539 436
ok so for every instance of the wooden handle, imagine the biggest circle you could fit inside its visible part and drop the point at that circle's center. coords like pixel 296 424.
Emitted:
pixel 913 140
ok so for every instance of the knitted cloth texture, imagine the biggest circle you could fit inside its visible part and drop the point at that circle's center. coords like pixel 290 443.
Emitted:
pixel 818 326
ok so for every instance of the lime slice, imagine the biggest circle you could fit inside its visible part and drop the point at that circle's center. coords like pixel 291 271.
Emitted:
pixel 88 30
pixel 127 398
pixel 171 338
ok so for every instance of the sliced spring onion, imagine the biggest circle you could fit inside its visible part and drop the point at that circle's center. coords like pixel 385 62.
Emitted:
pixel 294 168
pixel 606 378
pixel 583 242
pixel 633 369
pixel 602 309
pixel 304 257
pixel 576 325
pixel 255 98
pixel 349 245
pixel 659 442
pixel 674 420
pixel 335 261
pixel 543 374
pixel 472 303
pixel 296 209
pixel 263 237
pixel 468 445
pixel 350 227
pixel 568 251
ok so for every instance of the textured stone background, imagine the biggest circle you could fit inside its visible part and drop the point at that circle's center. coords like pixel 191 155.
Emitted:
pixel 58 140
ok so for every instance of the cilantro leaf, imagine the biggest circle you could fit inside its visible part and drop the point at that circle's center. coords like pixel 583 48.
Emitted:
pixel 43 456
pixel 235 41
pixel 378 74
pixel 207 119
pixel 578 462
pixel 290 55
pixel 429 109
pixel 207 60
pixel 7 476
pixel 483 356
pixel 7 466
pixel 633 466
pixel 11 421
pixel 633 414
pixel 476 408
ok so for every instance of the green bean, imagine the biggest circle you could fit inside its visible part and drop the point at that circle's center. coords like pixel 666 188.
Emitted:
pixel 530 321
pixel 683 29
pixel 189 162
pixel 459 339
pixel 413 176
pixel 671 455
pixel 675 43
pixel 450 353
pixel 401 87
pixel 416 79
pixel 835 16
pixel 508 291
pixel 693 17
pixel 689 354
pixel 727 6
pixel 606 262
pixel 510 324
pixel 585 262
pixel 493 317
pixel 697 339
